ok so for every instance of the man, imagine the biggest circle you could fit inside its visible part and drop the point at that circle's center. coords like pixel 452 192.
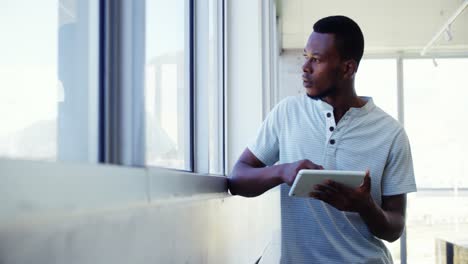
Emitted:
pixel 332 128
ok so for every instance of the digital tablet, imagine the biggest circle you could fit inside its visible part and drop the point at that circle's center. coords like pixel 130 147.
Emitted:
pixel 306 179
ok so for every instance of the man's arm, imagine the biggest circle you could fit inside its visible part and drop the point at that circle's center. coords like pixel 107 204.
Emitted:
pixel 386 222
pixel 251 178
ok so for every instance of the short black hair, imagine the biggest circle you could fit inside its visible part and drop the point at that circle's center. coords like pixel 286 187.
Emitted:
pixel 349 39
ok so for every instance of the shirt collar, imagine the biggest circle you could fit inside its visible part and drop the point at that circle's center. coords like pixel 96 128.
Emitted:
pixel 355 111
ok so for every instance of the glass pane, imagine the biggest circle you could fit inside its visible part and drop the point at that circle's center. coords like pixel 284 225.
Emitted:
pixel 377 78
pixel 436 118
pixel 167 87
pixel 434 215
pixel 49 80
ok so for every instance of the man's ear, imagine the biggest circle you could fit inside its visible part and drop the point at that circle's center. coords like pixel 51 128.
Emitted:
pixel 349 69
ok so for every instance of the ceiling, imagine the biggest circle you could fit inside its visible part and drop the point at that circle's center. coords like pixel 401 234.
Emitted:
pixel 388 26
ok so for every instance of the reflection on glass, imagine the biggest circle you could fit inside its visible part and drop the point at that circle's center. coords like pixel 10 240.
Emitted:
pixel 166 86
pixel 377 78
pixel 48 80
pixel 436 121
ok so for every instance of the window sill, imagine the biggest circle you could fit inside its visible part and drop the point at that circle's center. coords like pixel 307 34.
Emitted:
pixel 37 187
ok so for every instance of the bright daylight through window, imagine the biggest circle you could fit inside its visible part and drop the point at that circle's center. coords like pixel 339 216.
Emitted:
pixel 167 84
pixel 435 119
pixel 49 80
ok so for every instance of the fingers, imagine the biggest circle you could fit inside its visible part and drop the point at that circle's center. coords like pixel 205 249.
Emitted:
pixel 337 186
pixel 310 165
pixel 326 197
pixel 326 188
pixel 320 196
pixel 323 192
pixel 290 180
pixel 366 184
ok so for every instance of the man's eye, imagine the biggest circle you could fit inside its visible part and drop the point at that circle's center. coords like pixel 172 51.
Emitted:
pixel 313 59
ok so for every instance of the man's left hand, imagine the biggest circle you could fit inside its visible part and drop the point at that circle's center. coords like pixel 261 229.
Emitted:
pixel 343 197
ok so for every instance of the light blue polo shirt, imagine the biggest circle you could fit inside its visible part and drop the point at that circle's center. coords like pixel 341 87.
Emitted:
pixel 365 138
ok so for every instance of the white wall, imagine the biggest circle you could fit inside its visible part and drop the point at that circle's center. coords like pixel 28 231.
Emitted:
pixel 50 222
pixel 290 71
pixel 388 26
pixel 75 213
pixel 244 80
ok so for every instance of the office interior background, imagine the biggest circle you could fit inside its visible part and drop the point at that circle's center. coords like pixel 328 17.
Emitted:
pixel 120 121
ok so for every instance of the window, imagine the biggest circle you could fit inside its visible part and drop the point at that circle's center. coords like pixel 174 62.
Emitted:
pixel 436 121
pixel 49 80
pixel 436 114
pixel 168 84
pixel 377 78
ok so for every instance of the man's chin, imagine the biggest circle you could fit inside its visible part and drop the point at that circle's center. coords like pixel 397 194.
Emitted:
pixel 312 93
pixel 315 97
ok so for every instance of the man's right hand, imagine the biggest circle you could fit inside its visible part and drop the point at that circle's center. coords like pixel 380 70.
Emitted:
pixel 250 177
pixel 290 170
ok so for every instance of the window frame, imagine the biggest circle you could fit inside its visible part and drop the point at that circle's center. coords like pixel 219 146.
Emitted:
pixel 117 23
pixel 209 62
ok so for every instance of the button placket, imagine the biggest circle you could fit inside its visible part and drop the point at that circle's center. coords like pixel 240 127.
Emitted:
pixel 329 125
pixel 343 122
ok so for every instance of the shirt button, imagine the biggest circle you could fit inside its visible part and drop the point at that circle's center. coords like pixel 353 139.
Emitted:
pixel 328 114
pixel 332 141
pixel 332 128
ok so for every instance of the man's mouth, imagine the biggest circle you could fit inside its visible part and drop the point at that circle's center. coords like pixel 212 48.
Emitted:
pixel 305 79
pixel 307 82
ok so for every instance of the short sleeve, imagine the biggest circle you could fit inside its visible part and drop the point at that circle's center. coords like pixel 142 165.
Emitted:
pixel 266 144
pixel 398 176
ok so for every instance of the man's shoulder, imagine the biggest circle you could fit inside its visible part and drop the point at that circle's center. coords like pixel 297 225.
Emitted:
pixel 388 124
pixel 387 119
pixel 291 102
pixel 291 99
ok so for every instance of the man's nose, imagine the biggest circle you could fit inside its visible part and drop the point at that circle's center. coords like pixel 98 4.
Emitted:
pixel 306 67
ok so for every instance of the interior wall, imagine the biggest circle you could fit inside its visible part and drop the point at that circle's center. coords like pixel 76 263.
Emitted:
pixel 244 75
pixel 194 230
pixel 388 26
pixel 290 71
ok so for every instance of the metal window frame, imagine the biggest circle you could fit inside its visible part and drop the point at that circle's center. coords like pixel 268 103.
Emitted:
pixel 161 182
pixel 121 125
pixel 209 112
pixel 191 78
pixel 122 45
pixel 102 82
pixel 114 143
pixel 110 61
pixel 401 119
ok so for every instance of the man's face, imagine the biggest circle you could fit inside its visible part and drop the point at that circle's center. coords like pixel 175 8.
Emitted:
pixel 321 69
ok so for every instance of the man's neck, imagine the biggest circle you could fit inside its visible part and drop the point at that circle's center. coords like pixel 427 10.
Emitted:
pixel 342 102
